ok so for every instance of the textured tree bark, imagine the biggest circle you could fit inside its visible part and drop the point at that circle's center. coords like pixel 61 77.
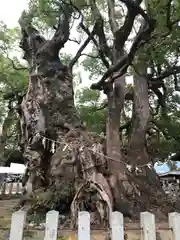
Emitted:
pixel 138 189
pixel 115 159
pixel 48 112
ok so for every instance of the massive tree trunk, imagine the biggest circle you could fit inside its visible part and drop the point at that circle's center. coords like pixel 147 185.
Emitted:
pixel 53 136
pixel 148 194
pixel 58 148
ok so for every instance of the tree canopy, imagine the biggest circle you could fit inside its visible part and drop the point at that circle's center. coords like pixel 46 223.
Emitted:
pixel 131 124
pixel 161 55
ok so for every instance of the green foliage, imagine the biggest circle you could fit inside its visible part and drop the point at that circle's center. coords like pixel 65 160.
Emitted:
pixel 44 10
pixel 164 45
pixel 13 84
pixel 88 96
pixel 94 66
pixel 89 104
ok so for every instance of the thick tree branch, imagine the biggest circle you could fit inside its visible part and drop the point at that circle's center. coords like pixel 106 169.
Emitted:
pixel 168 72
pixel 86 30
pixel 115 95
pixel 78 54
pixel 134 9
pixel 62 33
pixel 111 15
pixel 101 53
pixel 135 5
pixel 123 63
pixel 25 22
pixel 31 38
pixel 91 36
pixel 122 34
pixel 139 119
pixel 99 30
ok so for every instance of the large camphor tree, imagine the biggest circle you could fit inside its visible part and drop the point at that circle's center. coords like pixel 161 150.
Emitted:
pixel 113 170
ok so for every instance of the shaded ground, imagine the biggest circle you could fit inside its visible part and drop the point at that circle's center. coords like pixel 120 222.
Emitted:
pixel 6 210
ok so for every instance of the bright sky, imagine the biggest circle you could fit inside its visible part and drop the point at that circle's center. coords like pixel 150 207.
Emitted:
pixel 10 11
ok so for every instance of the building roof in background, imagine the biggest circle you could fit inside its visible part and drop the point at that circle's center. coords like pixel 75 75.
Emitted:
pixel 14 169
pixel 170 173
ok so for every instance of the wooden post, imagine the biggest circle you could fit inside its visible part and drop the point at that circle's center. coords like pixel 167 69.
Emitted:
pixel 10 188
pixel 148 226
pixel 21 188
pixel 84 226
pixel 17 225
pixel 51 228
pixel 3 191
pixel 17 188
pixel 174 223
pixel 117 226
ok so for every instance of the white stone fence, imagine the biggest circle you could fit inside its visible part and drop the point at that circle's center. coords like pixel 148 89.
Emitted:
pixel 147 226
pixel 13 188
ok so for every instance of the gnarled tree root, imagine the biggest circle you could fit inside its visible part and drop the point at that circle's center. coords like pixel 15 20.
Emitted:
pixel 104 206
